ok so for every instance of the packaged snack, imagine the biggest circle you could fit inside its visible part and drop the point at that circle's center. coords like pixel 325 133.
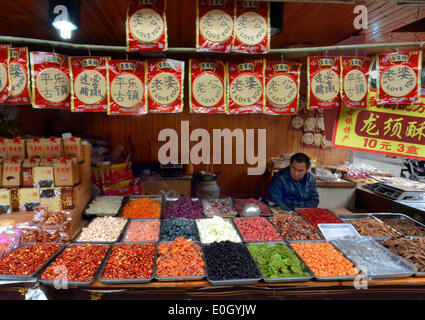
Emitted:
pixel 147 25
pixel 252 27
pixel 354 81
pixel 53 147
pixel 89 84
pixel 399 77
pixel 27 171
pixel 19 77
pixel 35 148
pixel 215 25
pixel 5 199
pixel 4 73
pixel 323 83
pixel 207 86
pixel 282 87
pixel 12 173
pixel 16 148
pixel 43 177
pixel 51 85
pixel 127 92
pixel 74 147
pixel 246 86
pixel 3 148
pixel 166 78
pixel 29 199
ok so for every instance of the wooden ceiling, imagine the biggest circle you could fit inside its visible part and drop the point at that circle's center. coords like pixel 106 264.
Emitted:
pixel 103 22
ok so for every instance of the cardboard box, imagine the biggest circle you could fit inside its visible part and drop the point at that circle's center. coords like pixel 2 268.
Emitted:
pixel 3 148
pixel 16 149
pixel 35 148
pixel 43 177
pixel 29 198
pixel 51 198
pixel 53 147
pixel 27 171
pixel 12 174
pixel 73 147
pixel 5 201
pixel 66 172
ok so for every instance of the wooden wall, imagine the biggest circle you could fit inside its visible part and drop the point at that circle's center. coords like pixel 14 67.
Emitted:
pixel 144 132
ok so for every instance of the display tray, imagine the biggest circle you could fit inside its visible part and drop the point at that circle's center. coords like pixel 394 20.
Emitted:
pixel 73 283
pixel 406 264
pixel 101 242
pixel 236 200
pixel 127 226
pixel 171 200
pixel 102 214
pixel 337 230
pixel 33 275
pixel 153 197
pixel 230 220
pixel 330 211
pixel 243 239
pixel 350 217
pixel 211 214
pixel 296 216
pixel 282 279
pixel 196 227
pixel 187 278
pixel 123 281
pixel 318 278
pixel 231 282
pixel 398 216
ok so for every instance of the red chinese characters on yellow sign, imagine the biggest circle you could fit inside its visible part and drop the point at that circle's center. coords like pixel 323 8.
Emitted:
pixel 397 130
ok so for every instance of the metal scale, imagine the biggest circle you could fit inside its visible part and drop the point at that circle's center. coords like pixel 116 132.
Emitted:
pixel 396 191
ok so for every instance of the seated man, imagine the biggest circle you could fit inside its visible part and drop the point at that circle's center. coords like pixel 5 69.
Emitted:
pixel 294 187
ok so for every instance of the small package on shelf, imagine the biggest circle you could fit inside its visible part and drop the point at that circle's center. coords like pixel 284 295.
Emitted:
pixel 5 207
pixel 29 199
pixel 43 177
pixel 66 199
pixel 74 147
pixel 16 148
pixel 35 148
pixel 51 198
pixel 12 173
pixel 27 171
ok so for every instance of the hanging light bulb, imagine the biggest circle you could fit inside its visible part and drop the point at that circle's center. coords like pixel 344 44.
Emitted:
pixel 64 16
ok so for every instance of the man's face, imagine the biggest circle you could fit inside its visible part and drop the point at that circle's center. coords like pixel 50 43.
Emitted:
pixel 297 170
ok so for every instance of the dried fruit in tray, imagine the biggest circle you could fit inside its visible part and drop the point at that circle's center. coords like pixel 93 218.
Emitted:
pixel 295 228
pixel 324 260
pixel 130 261
pixel 405 227
pixel 80 262
pixel 218 207
pixel 184 208
pixel 373 228
pixel 102 229
pixel 179 227
pixel 314 216
pixel 217 229
pixel 143 230
pixel 240 203
pixel 142 208
pixel 413 250
pixel 229 261
pixel 27 259
pixel 277 260
pixel 180 258
pixel 105 205
pixel 257 229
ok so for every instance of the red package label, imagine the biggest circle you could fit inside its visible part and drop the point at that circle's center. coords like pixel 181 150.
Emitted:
pixel 355 81
pixel 89 78
pixel 4 73
pixel 246 86
pixel 282 87
pixel 252 27
pixel 127 92
pixel 207 86
pixel 51 84
pixel 323 83
pixel 146 25
pixel 399 78
pixel 19 77
pixel 215 25
pixel 165 85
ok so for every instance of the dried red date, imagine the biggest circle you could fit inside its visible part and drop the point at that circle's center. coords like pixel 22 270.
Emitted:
pixel 80 261
pixel 130 261
pixel 27 259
